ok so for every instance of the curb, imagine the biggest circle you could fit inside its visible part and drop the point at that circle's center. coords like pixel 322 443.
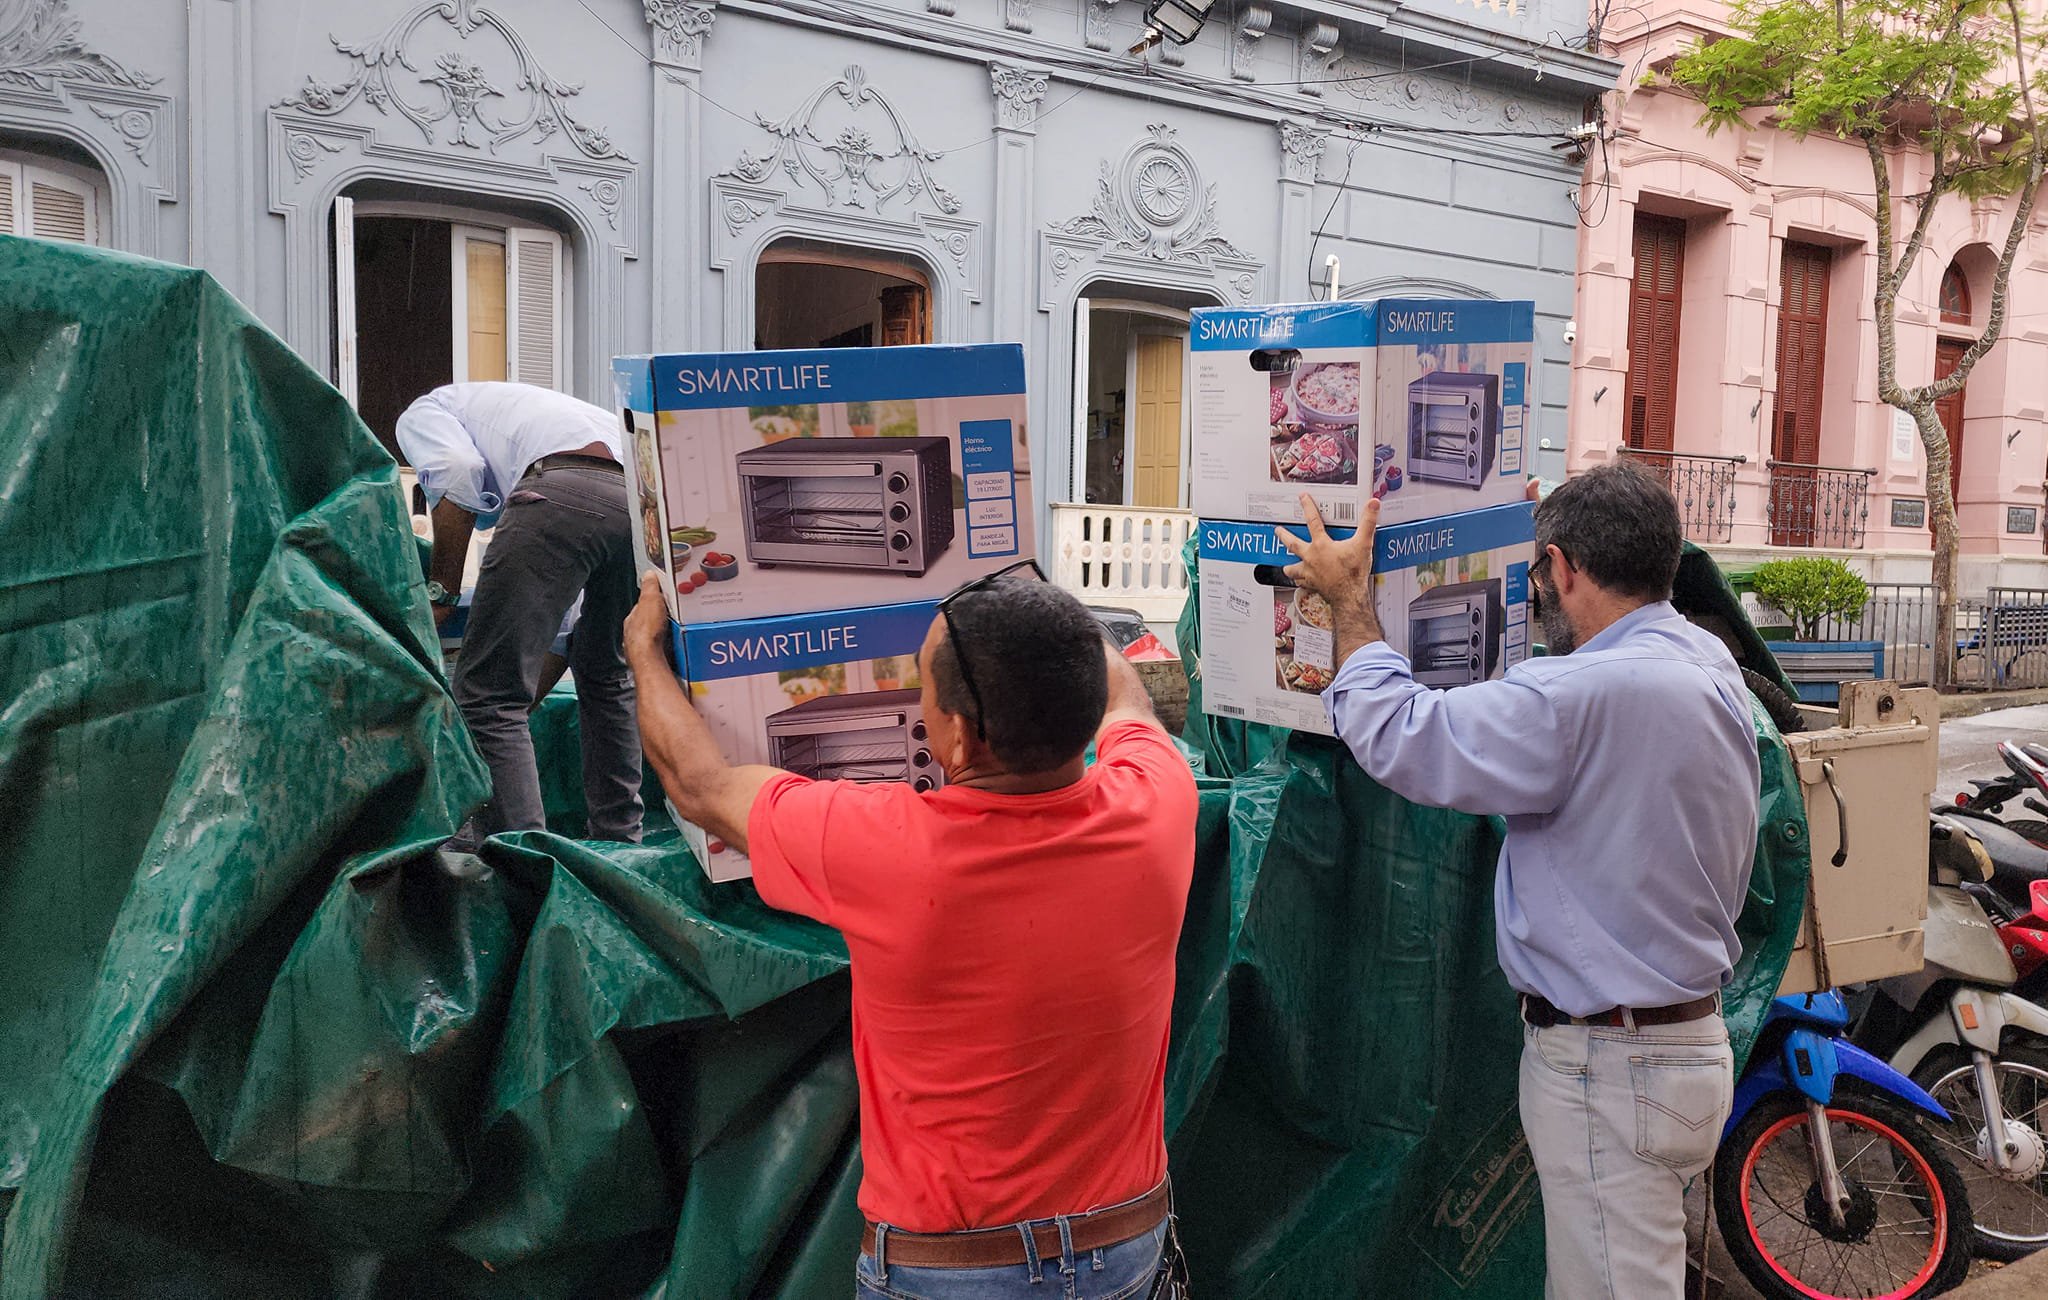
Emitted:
pixel 2026 1280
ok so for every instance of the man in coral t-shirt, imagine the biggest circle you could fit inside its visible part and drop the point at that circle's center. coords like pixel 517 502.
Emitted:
pixel 1012 937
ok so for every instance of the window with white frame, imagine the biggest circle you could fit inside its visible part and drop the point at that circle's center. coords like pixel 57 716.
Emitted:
pixel 48 198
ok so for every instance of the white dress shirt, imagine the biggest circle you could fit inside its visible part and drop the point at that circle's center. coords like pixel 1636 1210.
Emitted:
pixel 470 443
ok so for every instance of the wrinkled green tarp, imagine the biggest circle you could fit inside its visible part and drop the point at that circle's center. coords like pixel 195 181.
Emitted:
pixel 260 1039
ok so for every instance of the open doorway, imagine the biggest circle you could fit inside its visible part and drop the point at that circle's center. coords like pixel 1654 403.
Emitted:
pixel 1130 407
pixel 809 295
pixel 427 295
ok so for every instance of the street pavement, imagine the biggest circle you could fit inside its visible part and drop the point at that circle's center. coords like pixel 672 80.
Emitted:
pixel 1969 746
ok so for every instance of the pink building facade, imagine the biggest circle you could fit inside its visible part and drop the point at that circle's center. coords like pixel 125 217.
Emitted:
pixel 1726 333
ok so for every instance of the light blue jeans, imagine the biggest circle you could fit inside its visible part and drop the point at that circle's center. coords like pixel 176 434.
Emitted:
pixel 1618 1122
pixel 1117 1272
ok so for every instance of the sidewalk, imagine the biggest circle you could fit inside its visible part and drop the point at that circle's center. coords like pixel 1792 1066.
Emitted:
pixel 2026 1280
pixel 1963 704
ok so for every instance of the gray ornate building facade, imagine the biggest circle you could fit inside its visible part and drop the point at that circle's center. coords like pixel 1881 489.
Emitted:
pixel 410 191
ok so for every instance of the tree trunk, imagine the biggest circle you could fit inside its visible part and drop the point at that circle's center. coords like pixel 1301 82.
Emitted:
pixel 1941 513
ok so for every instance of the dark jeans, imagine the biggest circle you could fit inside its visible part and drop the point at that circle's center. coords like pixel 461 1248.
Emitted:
pixel 563 531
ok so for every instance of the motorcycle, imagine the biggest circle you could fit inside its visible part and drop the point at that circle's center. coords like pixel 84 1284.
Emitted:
pixel 1960 1029
pixel 1826 1183
pixel 2026 780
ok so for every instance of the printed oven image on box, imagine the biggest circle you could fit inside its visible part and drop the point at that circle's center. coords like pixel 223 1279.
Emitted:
pixel 1454 633
pixel 1451 595
pixel 873 736
pixel 1453 424
pixel 1421 404
pixel 771 483
pixel 853 503
pixel 832 696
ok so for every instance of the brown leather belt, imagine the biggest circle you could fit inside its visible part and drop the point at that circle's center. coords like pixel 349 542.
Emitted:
pixel 1540 1012
pixel 997 1247
pixel 575 460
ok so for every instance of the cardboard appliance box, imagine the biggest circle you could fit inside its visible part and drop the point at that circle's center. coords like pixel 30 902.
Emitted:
pixel 1422 403
pixel 1452 594
pixel 830 696
pixel 770 483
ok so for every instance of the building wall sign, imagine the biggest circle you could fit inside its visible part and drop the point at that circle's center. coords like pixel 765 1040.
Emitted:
pixel 2022 520
pixel 1909 512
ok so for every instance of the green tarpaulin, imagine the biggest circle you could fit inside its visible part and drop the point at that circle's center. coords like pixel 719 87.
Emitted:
pixel 260 1038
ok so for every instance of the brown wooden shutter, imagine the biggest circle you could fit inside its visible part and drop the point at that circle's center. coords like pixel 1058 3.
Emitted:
pixel 1802 352
pixel 1655 299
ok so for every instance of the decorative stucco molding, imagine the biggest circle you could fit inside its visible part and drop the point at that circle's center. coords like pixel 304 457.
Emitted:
pixel 1437 99
pixel 1152 212
pixel 1632 159
pixel 861 153
pixel 1018 93
pixel 1095 23
pixel 52 83
pixel 43 49
pixel 680 28
pixel 1017 15
pixel 1153 203
pixel 1318 56
pixel 468 113
pixel 1253 21
pixel 846 168
pixel 1301 151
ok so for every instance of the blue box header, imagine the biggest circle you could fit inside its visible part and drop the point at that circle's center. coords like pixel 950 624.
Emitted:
pixel 712 380
pixel 1362 323
pixel 746 647
pixel 1396 546
pixel 1455 320
pixel 1298 325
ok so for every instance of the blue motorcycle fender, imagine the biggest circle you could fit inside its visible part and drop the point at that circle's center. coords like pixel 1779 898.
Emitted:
pixel 1809 1063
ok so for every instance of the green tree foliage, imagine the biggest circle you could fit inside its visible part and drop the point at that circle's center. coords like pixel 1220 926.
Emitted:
pixel 1941 96
pixel 1809 589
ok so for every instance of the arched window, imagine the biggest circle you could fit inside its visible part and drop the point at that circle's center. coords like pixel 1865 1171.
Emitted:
pixel 50 198
pixel 1955 296
pixel 809 295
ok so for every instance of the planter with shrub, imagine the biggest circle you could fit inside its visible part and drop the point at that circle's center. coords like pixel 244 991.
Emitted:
pixel 1810 591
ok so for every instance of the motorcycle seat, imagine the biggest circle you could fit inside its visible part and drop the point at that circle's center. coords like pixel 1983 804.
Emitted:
pixel 2039 753
pixel 2016 862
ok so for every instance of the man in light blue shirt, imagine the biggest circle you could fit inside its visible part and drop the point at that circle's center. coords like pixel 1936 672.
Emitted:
pixel 545 470
pixel 1626 767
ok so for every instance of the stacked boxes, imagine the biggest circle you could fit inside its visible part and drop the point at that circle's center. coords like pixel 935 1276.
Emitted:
pixel 806 510
pixel 1420 404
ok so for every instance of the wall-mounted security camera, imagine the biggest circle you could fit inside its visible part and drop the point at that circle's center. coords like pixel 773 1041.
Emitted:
pixel 1571 332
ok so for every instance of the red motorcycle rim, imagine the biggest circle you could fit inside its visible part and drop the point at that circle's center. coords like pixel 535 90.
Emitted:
pixel 1937 1201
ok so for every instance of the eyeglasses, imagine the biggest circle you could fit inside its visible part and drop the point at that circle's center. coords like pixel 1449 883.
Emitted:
pixel 953 633
pixel 1541 569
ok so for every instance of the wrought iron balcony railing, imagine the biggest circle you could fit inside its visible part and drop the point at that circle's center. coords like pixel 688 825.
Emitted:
pixel 1704 486
pixel 1818 505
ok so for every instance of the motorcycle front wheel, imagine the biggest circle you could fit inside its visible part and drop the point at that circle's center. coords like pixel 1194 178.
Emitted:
pixel 1907 1228
pixel 2009 1210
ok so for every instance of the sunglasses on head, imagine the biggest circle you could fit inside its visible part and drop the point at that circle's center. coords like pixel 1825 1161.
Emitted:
pixel 1018 569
